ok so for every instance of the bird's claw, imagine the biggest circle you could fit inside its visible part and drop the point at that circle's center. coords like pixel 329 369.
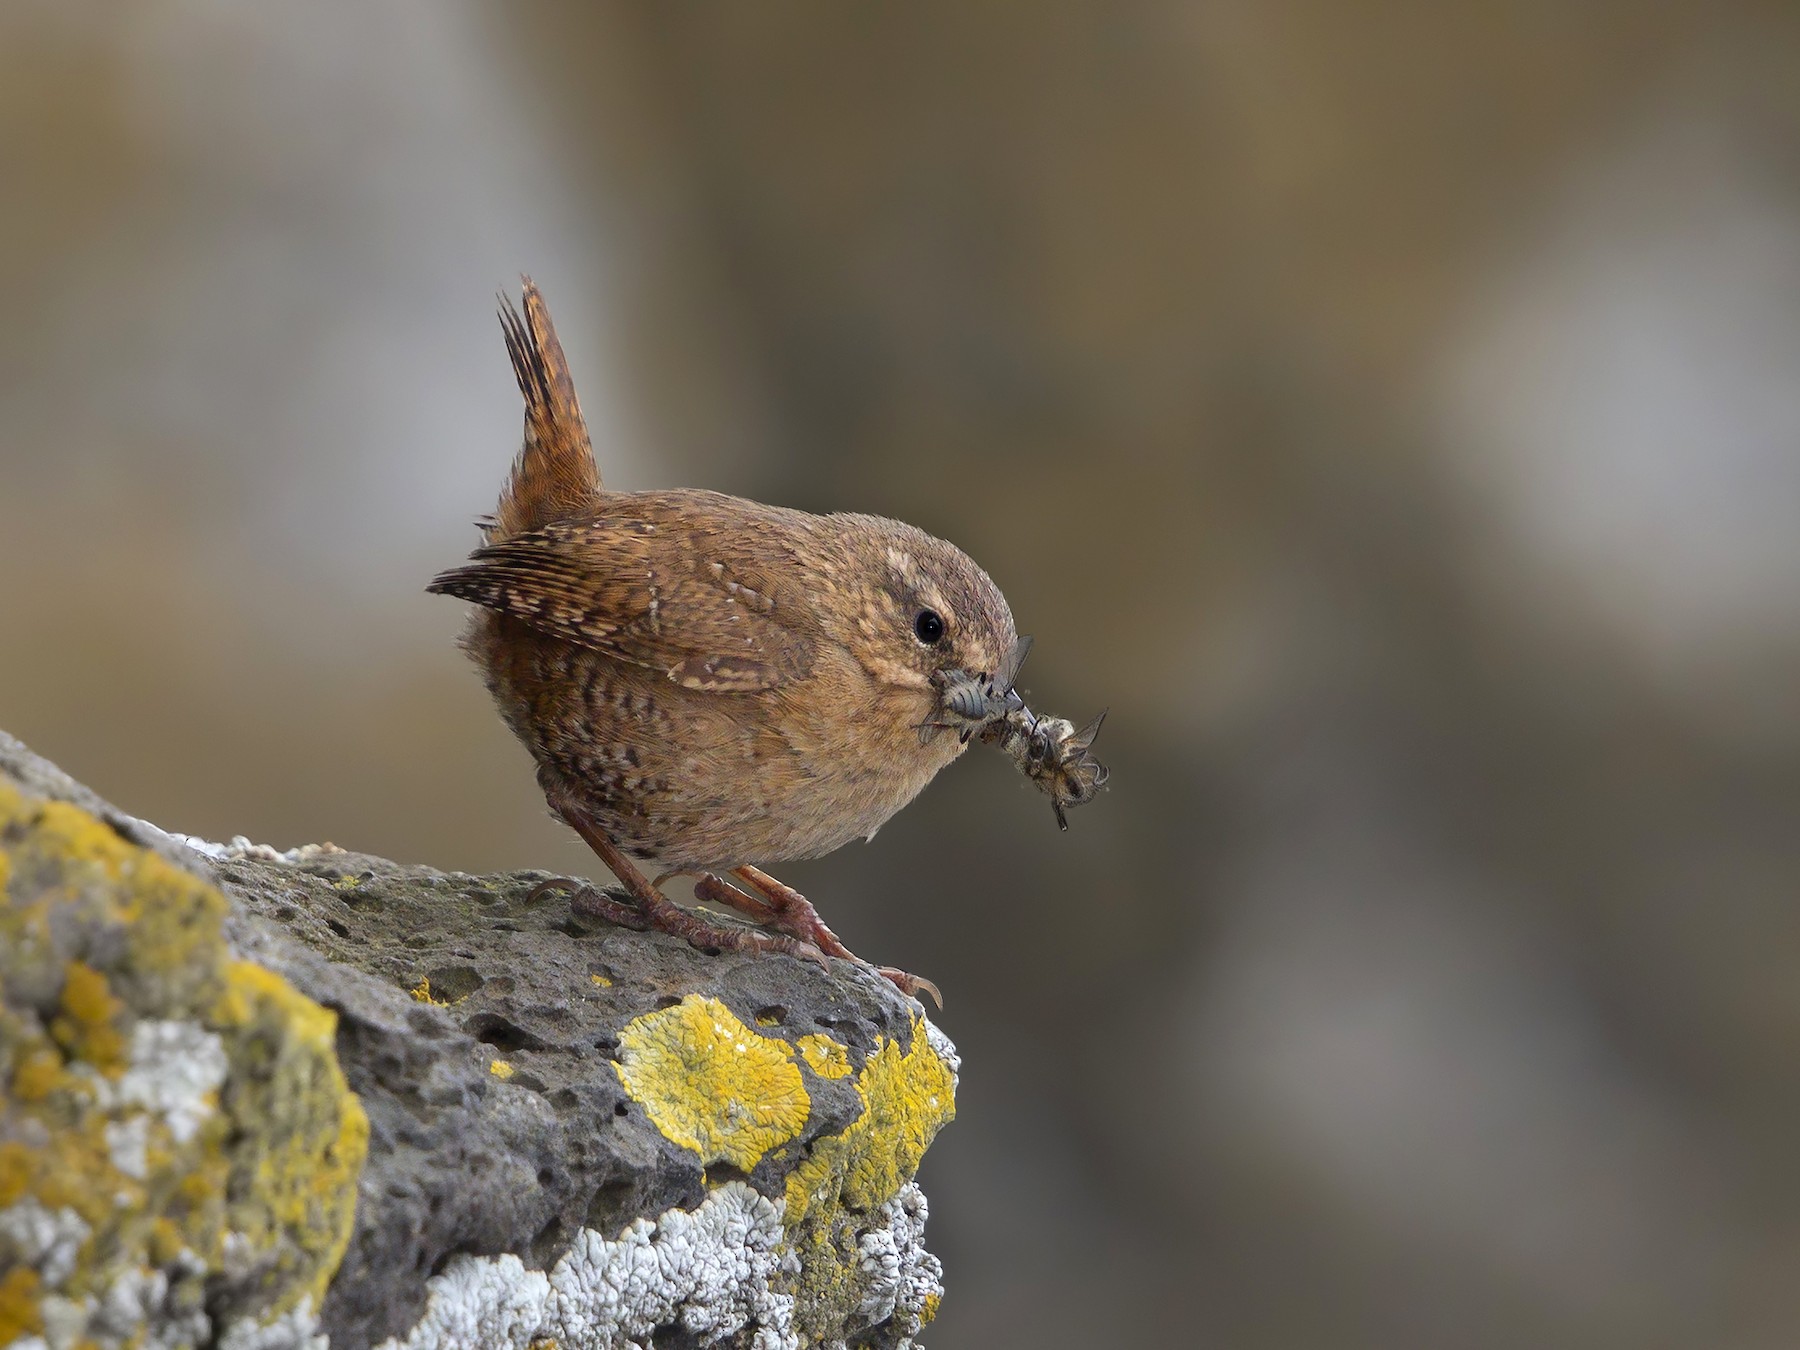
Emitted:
pixel 544 888
pixel 910 985
pixel 793 946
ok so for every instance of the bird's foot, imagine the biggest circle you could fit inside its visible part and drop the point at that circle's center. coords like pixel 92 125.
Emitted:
pixel 799 929
pixel 782 907
pixel 716 937
pixel 668 917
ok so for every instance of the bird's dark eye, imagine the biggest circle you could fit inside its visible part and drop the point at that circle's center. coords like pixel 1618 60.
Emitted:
pixel 929 626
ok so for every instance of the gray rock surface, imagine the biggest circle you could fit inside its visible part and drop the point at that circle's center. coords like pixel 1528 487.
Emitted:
pixel 521 1164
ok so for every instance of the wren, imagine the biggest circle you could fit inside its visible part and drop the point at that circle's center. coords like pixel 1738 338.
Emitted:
pixel 707 683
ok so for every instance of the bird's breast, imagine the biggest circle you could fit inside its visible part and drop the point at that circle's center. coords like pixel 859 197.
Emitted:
pixel 855 753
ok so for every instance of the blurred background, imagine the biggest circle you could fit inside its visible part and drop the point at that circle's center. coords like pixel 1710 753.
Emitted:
pixel 1390 410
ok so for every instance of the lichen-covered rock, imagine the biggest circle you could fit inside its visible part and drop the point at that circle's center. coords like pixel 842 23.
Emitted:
pixel 178 1147
pixel 576 1135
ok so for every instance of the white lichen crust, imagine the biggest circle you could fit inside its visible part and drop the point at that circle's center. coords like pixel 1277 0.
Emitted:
pixel 175 1073
pixel 943 1048
pixel 50 1240
pixel 711 1271
pixel 243 847
pixel 900 1277
pixel 293 1330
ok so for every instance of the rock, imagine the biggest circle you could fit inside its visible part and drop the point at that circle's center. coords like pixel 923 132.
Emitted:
pixel 260 1099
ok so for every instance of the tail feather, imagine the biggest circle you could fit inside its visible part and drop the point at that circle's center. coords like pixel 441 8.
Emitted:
pixel 555 474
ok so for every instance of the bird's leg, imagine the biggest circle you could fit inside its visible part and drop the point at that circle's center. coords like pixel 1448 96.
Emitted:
pixel 653 909
pixel 784 908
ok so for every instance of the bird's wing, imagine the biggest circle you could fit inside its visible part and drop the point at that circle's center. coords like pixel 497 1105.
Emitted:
pixel 684 595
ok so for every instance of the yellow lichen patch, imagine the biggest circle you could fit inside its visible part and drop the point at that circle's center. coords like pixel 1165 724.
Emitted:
pixel 165 1242
pixel 928 1310
pixel 169 917
pixel 303 1133
pixel 251 991
pixel 906 1097
pixel 173 921
pixel 602 981
pixel 88 1027
pixel 422 992
pixel 501 1069
pixel 73 1170
pixel 711 1084
pixel 824 1056
pixel 66 831
pixel 20 1315
pixel 36 1073
pixel 15 1172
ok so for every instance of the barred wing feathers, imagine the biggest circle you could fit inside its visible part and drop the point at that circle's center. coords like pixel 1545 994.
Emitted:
pixel 689 601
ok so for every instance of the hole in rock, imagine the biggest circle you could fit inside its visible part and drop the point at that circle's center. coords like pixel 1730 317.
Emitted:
pixel 450 984
pixel 720 1173
pixel 612 1207
pixel 504 1034
pixel 549 1243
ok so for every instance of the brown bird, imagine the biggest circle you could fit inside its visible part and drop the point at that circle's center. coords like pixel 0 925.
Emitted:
pixel 708 683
